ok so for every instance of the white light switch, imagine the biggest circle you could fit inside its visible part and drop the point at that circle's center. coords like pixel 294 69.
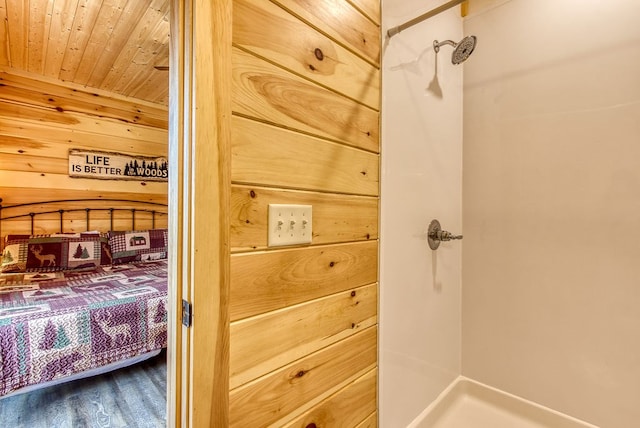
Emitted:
pixel 289 224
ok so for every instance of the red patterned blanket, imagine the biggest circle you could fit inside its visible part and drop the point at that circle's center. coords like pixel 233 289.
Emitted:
pixel 56 324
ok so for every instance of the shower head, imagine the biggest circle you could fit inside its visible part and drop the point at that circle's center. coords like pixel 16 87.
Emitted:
pixel 461 50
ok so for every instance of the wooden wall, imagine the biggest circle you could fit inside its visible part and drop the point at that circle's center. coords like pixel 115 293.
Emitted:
pixel 41 119
pixel 305 130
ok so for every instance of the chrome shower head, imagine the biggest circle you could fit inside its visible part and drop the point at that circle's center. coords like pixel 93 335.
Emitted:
pixel 461 50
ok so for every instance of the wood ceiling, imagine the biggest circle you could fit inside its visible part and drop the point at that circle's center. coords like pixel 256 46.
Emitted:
pixel 113 45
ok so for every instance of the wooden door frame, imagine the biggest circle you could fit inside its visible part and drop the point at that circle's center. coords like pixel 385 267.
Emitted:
pixel 199 195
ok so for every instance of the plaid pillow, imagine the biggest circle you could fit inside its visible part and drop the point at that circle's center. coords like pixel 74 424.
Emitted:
pixel 55 252
pixel 138 245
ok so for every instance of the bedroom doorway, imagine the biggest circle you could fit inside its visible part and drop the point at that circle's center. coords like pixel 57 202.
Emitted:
pixel 199 201
pixel 59 54
pixel 196 117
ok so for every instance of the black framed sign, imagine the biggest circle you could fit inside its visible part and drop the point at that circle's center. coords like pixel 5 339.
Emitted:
pixel 116 166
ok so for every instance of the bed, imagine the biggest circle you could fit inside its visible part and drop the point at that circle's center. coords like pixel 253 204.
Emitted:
pixel 77 304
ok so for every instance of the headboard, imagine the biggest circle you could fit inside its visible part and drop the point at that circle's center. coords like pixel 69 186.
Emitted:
pixel 80 215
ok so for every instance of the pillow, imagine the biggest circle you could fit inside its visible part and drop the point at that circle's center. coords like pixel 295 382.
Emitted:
pixel 138 245
pixel 55 252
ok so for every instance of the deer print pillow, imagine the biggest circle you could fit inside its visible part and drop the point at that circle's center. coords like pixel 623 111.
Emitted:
pixel 55 252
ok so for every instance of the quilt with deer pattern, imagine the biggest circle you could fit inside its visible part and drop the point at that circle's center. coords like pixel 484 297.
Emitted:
pixel 55 324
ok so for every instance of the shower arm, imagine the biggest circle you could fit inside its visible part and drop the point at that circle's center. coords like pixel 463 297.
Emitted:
pixel 437 44
pixel 395 30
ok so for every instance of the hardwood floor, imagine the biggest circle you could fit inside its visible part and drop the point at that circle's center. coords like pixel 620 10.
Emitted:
pixel 131 397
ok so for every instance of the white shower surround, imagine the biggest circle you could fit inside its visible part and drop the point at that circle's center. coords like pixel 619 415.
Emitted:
pixel 550 320
pixel 421 181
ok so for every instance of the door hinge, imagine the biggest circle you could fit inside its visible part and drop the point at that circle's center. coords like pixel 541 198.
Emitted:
pixel 187 316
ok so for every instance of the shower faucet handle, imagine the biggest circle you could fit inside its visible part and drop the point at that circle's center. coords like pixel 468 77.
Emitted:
pixel 435 235
pixel 443 235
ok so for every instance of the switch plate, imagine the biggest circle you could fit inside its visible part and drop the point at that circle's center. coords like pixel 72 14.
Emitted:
pixel 289 224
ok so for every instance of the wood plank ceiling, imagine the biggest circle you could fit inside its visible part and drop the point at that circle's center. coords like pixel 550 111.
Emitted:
pixel 113 45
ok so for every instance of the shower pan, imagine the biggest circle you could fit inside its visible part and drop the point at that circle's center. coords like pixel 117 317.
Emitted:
pixel 471 404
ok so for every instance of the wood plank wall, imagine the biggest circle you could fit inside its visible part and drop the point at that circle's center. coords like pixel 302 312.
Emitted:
pixel 305 130
pixel 41 119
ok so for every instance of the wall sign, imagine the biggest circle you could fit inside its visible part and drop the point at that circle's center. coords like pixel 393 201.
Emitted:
pixel 116 166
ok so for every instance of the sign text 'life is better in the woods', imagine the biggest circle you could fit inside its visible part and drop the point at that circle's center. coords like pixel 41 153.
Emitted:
pixel 116 166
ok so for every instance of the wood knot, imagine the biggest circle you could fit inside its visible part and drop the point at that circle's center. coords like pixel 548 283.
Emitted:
pixel 353 294
pixel 311 67
pixel 252 193
pixel 311 425
pixel 368 236
pixel 332 264
pixel 300 373
pixel 318 53
pixel 60 109
pixel 20 151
